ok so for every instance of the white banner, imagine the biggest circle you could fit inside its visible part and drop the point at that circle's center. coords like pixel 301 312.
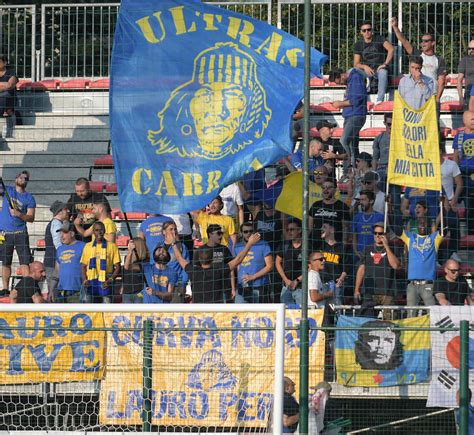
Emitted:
pixel 445 353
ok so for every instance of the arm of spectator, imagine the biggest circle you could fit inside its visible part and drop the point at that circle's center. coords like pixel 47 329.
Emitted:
pixel 116 272
pixel 358 64
pixel 56 225
pixel 469 300
pixel 456 156
pixel 471 102
pixel 241 213
pixel 289 165
pixel 281 272
pixel 457 192
pixel 141 235
pixel 405 207
pixel 14 296
pixel 441 298
pixel 128 258
pixel 441 85
pixel 179 257
pixel 341 279
pixel 389 48
pixel 263 271
pixel 233 237
pixel 405 43
pixel 392 258
pixel 10 85
pixel 359 280
pixel 167 295
pixel 85 281
pixel 288 421
pixel 459 85
pixel 341 104
pixel 29 216
pixel 254 238
pixel 233 285
pixel 375 152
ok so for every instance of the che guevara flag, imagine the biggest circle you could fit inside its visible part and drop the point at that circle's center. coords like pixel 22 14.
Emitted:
pixel 199 96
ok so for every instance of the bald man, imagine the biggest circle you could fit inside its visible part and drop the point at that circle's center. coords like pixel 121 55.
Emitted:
pixel 291 408
pixel 452 289
pixel 28 291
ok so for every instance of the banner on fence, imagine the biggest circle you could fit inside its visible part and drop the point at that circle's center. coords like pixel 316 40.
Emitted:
pixel 414 158
pixel 445 354
pixel 384 356
pixel 213 374
pixel 57 347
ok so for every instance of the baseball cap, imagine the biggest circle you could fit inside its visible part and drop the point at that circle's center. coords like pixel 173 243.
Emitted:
pixel 66 227
pixel 57 206
pixel 325 123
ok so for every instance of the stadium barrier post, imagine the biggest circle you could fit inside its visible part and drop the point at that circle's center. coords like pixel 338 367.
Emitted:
pixel 147 373
pixel 464 378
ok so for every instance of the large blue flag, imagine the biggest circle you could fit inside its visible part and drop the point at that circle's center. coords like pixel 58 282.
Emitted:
pixel 199 97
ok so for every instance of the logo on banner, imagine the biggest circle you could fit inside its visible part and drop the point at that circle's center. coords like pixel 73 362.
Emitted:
pixel 220 111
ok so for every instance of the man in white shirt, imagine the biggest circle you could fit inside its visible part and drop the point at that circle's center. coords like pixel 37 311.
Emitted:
pixel 233 202
pixel 318 296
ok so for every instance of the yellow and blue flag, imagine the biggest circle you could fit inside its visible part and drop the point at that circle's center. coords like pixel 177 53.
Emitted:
pixel 383 356
pixel 199 96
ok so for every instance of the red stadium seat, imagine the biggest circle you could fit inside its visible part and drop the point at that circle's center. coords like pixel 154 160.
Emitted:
pixel 75 84
pixel 23 84
pixel 41 243
pixel 453 81
pixel 452 106
pixel 370 106
pixel 343 186
pixel 314 132
pixel 371 132
pixel 115 213
pixel 396 80
pixel 462 213
pixel 466 241
pixel 100 84
pixel 122 241
pixel 111 187
pixel 104 161
pixel 337 132
pixel 316 81
pixel 97 186
pixel 133 216
pixel 324 107
pixel 45 85
pixel 385 106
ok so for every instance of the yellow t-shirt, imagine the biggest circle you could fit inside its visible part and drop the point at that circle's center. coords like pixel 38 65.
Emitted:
pixel 225 222
pixel 112 256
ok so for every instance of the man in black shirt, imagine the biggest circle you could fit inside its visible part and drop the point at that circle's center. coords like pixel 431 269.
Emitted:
pixel 27 291
pixel 82 202
pixel 373 55
pixel 332 148
pixel 452 289
pixel 377 270
pixel 206 281
pixel 291 408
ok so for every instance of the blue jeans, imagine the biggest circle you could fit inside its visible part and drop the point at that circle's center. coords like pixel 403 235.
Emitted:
pixel 291 297
pixel 338 292
pixel 350 136
pixel 247 295
pixel 382 76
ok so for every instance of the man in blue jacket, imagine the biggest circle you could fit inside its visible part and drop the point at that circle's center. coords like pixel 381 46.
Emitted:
pixel 354 108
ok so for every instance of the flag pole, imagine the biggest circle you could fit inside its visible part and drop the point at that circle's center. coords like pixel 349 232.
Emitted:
pixel 385 218
pixel 441 213
pixel 304 325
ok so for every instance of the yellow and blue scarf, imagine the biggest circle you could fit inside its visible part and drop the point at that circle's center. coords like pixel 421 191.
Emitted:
pixel 92 273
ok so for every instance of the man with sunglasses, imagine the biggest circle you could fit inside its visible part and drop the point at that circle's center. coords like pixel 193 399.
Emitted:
pixel 254 271
pixel 373 54
pixel 318 294
pixel 452 289
pixel 15 213
pixel 466 74
pixel 433 66
pixel 376 271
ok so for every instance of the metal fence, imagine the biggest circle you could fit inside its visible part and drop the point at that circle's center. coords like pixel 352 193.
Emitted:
pixel 76 39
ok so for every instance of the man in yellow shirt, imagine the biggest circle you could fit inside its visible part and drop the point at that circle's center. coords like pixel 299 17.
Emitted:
pixel 102 214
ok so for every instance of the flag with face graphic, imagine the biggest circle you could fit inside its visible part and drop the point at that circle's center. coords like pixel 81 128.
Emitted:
pixel 199 96
pixel 379 353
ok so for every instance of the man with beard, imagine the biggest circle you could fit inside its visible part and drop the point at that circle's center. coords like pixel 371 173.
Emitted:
pixel 81 204
pixel 27 291
pixel 330 210
pixel 13 225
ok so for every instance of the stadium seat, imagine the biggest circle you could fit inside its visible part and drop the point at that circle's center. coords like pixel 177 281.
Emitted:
pixel 461 213
pixel 41 244
pixel 455 132
pixel 370 106
pixel 100 84
pixel 314 132
pixel 451 106
pixel 104 161
pixel 23 84
pixel 75 84
pixel 385 106
pixel 371 132
pixel 97 186
pixel 337 132
pixel 466 242
pixel 122 241
pixel 316 81
pixel 453 81
pixel 115 213
pixel 343 186
pixel 445 131
pixel 324 107
pixel 395 81
pixel 111 187
pixel 133 216
pixel 45 85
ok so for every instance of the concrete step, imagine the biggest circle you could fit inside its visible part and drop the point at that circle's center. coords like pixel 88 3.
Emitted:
pixel 68 147
pixel 39 159
pixel 53 120
pixel 30 132
pixel 61 173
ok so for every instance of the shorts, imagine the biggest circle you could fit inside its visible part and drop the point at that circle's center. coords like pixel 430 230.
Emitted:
pixel 18 241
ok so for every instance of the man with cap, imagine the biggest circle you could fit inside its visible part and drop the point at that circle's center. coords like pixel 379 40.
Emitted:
pixel 332 148
pixel 52 240
pixel 68 265
pixel 15 212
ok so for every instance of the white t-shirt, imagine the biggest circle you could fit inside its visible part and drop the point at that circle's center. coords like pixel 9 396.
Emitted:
pixel 232 198
pixel 183 225
pixel 449 170
pixel 430 68
pixel 315 283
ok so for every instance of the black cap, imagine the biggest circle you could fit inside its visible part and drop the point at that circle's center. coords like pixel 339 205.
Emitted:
pixel 66 227
pixel 57 206
pixel 325 123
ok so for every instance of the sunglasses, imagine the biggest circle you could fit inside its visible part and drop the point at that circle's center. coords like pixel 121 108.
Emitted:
pixel 366 30
pixel 378 233
pixel 247 232
pixel 470 48
pixel 219 233
pixel 454 270
pixel 319 173
pixel 319 259
pixel 426 40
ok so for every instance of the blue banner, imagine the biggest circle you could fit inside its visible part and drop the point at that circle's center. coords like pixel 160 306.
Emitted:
pixel 199 96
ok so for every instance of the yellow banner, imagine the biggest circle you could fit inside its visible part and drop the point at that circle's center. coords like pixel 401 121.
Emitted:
pixel 414 158
pixel 57 347
pixel 221 375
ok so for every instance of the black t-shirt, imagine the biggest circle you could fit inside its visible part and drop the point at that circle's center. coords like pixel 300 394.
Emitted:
pixel 292 259
pixel 372 53
pixel 26 288
pixel 133 279
pixel 337 260
pixel 379 277
pixel 206 284
pixel 270 228
pixel 334 214
pixel 455 292
pixel 290 408
pixel 221 255
pixel 84 206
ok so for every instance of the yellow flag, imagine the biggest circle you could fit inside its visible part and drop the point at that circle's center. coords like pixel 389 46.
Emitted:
pixel 414 159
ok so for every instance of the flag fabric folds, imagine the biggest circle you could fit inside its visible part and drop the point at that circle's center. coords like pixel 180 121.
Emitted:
pixel 384 356
pixel 414 157
pixel 199 96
